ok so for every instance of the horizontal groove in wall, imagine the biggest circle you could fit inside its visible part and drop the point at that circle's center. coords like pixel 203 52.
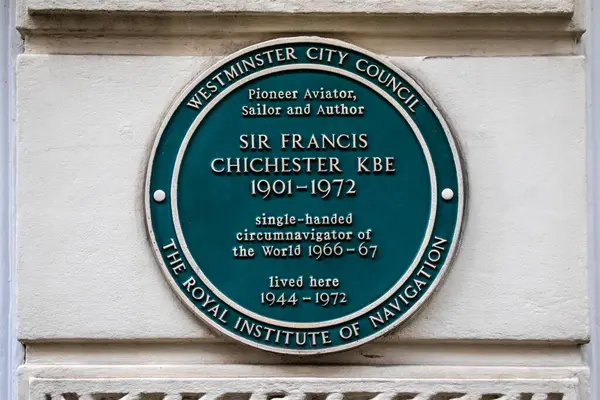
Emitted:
pixel 403 25
pixel 404 35
pixel 372 354
pixel 220 46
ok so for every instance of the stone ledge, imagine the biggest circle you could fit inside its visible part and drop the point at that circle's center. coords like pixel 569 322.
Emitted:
pixel 167 381
pixel 510 7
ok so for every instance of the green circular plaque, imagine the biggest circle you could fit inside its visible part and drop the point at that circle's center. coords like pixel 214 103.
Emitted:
pixel 304 196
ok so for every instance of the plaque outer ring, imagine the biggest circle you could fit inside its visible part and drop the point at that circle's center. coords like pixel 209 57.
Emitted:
pixel 461 186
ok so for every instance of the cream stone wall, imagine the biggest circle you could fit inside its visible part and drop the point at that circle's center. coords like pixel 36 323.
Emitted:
pixel 94 312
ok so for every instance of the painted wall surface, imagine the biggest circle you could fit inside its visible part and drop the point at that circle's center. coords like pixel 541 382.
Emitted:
pixel 526 178
pixel 509 319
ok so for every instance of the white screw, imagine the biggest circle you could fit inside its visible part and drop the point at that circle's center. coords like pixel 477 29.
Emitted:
pixel 447 194
pixel 159 196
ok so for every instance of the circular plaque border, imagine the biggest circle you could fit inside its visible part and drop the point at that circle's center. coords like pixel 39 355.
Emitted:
pixel 454 242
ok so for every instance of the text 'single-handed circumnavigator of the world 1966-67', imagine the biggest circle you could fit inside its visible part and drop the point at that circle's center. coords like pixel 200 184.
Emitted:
pixel 304 196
